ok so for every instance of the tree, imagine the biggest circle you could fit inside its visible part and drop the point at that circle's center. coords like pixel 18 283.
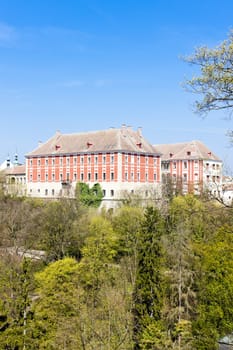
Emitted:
pixel 216 80
pixel 107 318
pixel 149 284
pixel 61 229
pixel 16 288
pixel 214 289
pixel 89 197
pixel 57 307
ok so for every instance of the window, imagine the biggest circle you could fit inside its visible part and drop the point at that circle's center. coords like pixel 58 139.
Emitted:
pixel 82 160
pixel 30 162
pixel 53 192
pixel 68 161
pixel 112 159
pixel 75 177
pixel 185 165
pixel 126 159
pixel 185 178
pixel 132 159
pixel 155 177
pixel 53 161
pixel 38 177
pixel 138 160
pixel 96 176
pixel 146 177
pixel 61 177
pixel 104 193
pixel 46 192
pixel 112 193
pixel 112 176
pixel 138 176
pixel 146 193
pixel 38 190
pixel 61 161
pixel 146 160
pixel 30 177
pixel 75 160
pixel 104 176
pixel 132 176
pixel 68 176
pixel 46 177
pixel 155 161
pixel 104 160
pixel 46 162
pixel 89 176
pixel 174 165
pixel 38 162
pixel 165 166
pixel 126 176
pixel 81 177
pixel 96 160
pixel 89 160
pixel 53 177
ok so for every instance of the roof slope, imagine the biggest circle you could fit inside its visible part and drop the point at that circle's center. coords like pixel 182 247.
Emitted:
pixel 186 150
pixel 16 170
pixel 110 140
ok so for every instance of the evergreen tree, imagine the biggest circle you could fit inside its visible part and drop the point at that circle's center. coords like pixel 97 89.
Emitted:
pixel 148 292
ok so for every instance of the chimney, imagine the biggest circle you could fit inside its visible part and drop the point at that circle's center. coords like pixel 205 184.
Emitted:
pixel 139 131
pixel 123 129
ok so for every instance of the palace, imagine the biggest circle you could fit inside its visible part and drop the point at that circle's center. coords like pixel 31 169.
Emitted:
pixel 118 159
pixel 121 160
pixel 192 166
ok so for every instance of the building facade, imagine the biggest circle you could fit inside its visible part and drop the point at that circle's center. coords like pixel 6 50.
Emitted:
pixel 16 180
pixel 192 166
pixel 118 159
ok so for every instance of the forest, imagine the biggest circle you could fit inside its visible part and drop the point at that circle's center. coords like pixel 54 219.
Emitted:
pixel 149 277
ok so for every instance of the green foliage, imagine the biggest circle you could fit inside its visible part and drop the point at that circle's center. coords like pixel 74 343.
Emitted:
pixel 98 253
pixel 60 234
pixel 58 302
pixel 89 197
pixel 143 279
pixel 127 223
pixel 215 289
pixel 149 285
pixel 15 290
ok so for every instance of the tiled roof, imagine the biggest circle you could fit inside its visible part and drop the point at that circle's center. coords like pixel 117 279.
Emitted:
pixel 186 150
pixel 16 170
pixel 110 140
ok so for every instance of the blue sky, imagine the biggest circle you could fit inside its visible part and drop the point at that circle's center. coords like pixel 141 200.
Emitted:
pixel 82 65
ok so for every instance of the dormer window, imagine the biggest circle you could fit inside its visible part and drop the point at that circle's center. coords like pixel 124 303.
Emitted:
pixel 171 155
pixel 139 144
pixel 89 144
pixel 188 153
